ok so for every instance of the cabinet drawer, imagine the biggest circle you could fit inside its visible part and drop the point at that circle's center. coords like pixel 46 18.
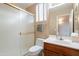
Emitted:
pixel 49 53
pixel 61 50
pixel 70 52
pixel 53 48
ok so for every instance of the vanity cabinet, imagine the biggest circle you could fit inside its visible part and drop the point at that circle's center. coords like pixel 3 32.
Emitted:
pixel 57 50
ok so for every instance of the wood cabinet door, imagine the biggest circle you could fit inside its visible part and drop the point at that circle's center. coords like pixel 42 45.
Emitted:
pixel 70 52
pixel 52 49
pixel 49 53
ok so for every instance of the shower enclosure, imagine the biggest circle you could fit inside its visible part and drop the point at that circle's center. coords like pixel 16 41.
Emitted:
pixel 16 31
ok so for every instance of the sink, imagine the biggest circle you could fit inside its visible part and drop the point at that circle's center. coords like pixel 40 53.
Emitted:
pixel 55 40
pixel 64 42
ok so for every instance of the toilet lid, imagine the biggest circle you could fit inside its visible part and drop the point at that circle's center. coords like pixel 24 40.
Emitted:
pixel 35 48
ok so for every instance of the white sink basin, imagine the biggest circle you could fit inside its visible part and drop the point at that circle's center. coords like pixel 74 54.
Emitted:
pixel 64 42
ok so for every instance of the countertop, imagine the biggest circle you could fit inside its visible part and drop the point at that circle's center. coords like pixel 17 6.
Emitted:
pixel 65 42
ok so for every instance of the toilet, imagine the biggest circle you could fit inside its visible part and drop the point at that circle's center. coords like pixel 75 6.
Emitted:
pixel 37 48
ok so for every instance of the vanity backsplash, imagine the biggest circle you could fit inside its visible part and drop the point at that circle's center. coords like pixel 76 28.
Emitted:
pixel 70 38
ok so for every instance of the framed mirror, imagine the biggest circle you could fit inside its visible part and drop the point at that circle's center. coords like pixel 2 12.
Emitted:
pixel 64 25
pixel 61 19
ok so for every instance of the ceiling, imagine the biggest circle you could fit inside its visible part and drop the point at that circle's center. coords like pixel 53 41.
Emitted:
pixel 53 4
pixel 56 6
pixel 26 5
pixel 23 5
pixel 63 7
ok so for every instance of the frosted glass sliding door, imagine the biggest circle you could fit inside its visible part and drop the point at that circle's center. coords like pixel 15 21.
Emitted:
pixel 26 32
pixel 16 31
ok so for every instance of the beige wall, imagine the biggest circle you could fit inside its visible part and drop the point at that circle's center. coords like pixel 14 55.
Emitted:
pixel 76 16
pixel 50 24
pixel 45 33
pixel 32 9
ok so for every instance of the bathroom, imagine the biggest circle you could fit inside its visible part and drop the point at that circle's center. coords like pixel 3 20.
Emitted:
pixel 39 29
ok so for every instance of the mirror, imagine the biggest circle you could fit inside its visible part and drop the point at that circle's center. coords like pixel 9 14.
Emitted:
pixel 64 26
pixel 61 19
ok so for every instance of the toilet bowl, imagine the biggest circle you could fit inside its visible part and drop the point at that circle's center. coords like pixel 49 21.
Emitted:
pixel 37 48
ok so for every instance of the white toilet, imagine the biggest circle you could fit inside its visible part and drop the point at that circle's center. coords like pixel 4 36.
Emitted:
pixel 37 49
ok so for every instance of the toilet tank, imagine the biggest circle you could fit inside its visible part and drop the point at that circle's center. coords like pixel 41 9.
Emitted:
pixel 40 42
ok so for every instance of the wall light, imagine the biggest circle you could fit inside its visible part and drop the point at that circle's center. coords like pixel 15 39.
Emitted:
pixel 51 6
pixel 60 21
pixel 41 12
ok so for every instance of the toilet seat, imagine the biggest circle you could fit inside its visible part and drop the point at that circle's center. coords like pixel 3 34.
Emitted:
pixel 35 48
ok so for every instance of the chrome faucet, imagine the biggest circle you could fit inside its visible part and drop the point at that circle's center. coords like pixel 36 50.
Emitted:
pixel 61 38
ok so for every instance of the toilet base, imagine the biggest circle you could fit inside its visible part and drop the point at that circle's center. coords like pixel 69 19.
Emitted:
pixel 35 54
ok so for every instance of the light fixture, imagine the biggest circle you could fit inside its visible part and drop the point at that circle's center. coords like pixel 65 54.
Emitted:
pixel 41 12
pixel 59 4
pixel 60 21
